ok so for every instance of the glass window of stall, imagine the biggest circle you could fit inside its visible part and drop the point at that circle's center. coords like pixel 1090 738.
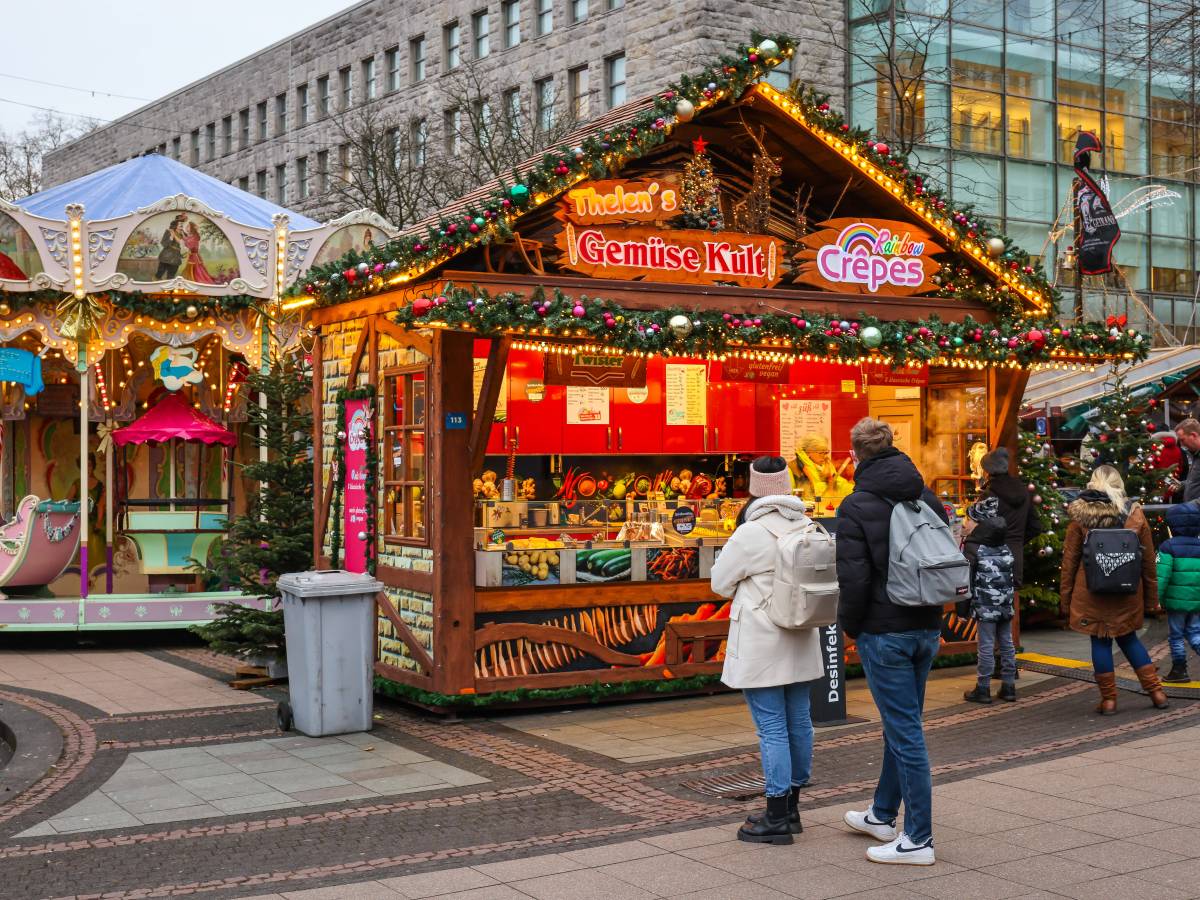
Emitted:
pixel 406 475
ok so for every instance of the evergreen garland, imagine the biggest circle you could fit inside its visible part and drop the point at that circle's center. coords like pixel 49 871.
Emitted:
pixel 161 309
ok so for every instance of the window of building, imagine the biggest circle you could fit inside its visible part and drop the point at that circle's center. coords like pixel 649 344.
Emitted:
pixel 614 79
pixel 416 58
pixel 579 11
pixel 281 185
pixel 196 147
pixel 452 44
pixel 262 120
pixel 368 78
pixel 577 91
pixel 543 94
pixel 244 183
pixel 210 141
pixel 162 149
pixel 391 61
pixel 418 138
pixel 405 476
pixel 323 96
pixel 511 110
pixel 260 183
pixel 510 11
pixel 480 26
pixel 176 148
pixel 281 125
pixel 346 85
pixel 322 171
pixel 780 76
pixel 452 129
pixel 545 16
pixel 244 129
pixel 975 123
pixel 302 178
pixel 303 110
pixel 227 134
pixel 615 4
pixel 344 162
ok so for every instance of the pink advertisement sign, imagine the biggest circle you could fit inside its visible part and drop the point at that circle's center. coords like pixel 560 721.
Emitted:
pixel 355 506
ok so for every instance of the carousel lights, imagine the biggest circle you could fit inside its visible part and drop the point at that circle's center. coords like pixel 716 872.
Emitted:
pixel 102 388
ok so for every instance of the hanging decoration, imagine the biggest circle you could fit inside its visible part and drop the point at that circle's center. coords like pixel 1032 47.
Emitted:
pixel 175 366
pixel 162 309
pixel 700 191
pixel 1098 229
pixel 370 482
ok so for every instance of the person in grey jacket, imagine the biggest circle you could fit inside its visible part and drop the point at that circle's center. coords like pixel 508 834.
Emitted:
pixel 1188 432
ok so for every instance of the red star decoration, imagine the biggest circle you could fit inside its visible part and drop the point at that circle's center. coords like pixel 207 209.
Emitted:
pixel 699 145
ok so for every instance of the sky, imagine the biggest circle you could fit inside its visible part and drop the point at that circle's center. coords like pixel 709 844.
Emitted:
pixel 137 49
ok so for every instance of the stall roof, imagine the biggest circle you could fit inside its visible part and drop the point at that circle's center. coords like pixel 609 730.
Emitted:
pixel 173 418
pixel 125 188
pixel 1068 390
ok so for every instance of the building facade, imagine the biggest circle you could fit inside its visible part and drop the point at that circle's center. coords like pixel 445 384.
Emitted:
pixel 998 103
pixel 268 123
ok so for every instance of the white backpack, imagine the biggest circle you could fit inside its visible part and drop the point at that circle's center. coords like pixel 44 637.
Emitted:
pixel 805 591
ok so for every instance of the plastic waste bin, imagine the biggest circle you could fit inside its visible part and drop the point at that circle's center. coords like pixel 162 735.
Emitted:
pixel 329 618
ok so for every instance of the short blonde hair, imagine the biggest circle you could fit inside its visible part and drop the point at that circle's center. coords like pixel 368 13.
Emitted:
pixel 1189 426
pixel 870 437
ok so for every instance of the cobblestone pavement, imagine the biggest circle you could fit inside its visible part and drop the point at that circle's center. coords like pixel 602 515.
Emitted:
pixel 1038 798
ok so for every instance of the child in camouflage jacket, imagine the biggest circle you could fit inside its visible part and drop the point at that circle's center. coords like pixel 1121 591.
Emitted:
pixel 992 596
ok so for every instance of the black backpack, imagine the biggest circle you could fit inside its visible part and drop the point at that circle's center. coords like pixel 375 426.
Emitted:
pixel 1112 560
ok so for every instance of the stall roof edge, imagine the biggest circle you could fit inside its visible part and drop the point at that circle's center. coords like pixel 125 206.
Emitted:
pixel 1052 388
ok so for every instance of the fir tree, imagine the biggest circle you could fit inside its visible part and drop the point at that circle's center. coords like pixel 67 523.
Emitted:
pixel 1042 471
pixel 700 193
pixel 274 535
pixel 1124 440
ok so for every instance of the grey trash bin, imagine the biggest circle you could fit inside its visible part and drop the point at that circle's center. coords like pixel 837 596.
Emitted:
pixel 329 618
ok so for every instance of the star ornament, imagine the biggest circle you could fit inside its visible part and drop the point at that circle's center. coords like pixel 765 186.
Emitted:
pixel 699 145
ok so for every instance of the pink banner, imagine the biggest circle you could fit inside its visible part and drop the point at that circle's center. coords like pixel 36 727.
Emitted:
pixel 354 500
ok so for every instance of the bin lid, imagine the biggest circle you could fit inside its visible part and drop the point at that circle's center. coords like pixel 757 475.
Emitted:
pixel 328 583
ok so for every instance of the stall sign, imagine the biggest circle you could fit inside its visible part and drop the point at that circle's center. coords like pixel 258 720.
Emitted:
pixel 455 421
pixel 595 370
pixel 683 520
pixel 868 257
pixel 358 435
pixel 766 371
pixel 21 367
pixel 678 256
pixel 600 202
pixel 828 693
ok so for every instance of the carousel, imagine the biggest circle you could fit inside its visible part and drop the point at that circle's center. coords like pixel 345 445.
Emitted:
pixel 133 304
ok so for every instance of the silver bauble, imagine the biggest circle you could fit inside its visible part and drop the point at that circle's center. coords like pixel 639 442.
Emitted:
pixel 768 49
pixel 995 246
pixel 871 337
pixel 680 325
pixel 684 110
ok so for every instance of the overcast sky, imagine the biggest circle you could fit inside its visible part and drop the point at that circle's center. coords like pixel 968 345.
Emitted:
pixel 135 48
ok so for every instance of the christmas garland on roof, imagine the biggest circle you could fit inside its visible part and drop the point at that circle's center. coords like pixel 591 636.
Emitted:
pixel 359 274
pixel 681 332
pixel 161 309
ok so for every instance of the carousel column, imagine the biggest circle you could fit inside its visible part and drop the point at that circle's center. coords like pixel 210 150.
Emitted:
pixel 79 314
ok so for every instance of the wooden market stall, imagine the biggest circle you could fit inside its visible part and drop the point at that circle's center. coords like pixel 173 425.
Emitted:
pixel 538 406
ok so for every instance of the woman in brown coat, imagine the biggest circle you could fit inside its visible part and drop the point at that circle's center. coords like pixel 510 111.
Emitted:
pixel 1107 616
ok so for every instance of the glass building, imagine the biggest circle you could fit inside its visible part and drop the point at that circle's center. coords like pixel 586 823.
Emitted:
pixel 992 96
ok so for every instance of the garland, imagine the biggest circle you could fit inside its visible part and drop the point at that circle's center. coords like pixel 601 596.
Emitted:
pixel 680 332
pixel 161 309
pixel 339 474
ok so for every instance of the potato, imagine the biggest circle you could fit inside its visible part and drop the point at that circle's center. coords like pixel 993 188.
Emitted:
pixel 553 558
pixel 511 558
pixel 543 573
pixel 535 557
pixel 525 567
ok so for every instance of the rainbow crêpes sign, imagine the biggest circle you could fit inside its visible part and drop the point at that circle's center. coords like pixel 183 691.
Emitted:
pixel 868 256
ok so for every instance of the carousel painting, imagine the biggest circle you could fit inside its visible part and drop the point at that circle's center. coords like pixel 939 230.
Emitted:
pixel 18 257
pixel 178 245
pixel 356 238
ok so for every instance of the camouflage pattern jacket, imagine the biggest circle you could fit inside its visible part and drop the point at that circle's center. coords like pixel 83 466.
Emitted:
pixel 992 580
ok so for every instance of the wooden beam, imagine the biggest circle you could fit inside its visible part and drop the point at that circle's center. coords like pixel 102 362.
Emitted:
pixel 406 579
pixel 356 359
pixel 322 523
pixel 489 394
pixel 414 339
pixel 318 433
pixel 403 676
pixel 415 649
pixel 386 302
pixel 586 596
pixel 373 354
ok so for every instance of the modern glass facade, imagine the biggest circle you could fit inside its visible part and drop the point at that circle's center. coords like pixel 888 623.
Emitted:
pixel 997 94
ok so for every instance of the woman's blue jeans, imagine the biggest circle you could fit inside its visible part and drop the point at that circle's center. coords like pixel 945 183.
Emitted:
pixel 1102 655
pixel 785 734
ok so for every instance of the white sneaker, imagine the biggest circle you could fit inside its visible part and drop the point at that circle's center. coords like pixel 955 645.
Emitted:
pixel 862 821
pixel 904 852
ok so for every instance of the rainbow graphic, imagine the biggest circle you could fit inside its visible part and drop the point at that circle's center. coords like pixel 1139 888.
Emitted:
pixel 859 231
pixel 877 240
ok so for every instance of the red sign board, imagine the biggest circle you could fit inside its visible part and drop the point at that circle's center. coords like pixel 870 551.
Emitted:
pixel 595 370
pixel 767 371
pixel 354 499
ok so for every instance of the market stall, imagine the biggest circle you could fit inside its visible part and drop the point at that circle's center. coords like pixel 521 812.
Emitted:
pixel 713 273
pixel 133 302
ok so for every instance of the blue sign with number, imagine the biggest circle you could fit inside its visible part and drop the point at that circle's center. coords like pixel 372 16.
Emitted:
pixel 456 421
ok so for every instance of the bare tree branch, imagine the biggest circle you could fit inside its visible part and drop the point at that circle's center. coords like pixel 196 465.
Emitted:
pixel 21 153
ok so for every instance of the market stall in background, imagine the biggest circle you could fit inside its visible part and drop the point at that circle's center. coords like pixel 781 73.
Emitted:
pixel 707 275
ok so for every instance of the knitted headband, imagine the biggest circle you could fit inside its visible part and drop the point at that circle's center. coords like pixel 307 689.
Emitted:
pixel 764 484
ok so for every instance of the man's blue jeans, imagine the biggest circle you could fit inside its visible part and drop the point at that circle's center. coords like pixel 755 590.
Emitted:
pixel 785 734
pixel 897 666
pixel 1183 629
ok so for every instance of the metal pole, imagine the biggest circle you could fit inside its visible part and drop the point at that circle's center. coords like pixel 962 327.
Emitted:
pixel 1077 237
pixel 109 484
pixel 172 464
pixel 83 469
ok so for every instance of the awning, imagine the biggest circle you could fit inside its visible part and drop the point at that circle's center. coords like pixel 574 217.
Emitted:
pixel 173 418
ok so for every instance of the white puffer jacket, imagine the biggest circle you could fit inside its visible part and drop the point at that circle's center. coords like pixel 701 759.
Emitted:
pixel 759 653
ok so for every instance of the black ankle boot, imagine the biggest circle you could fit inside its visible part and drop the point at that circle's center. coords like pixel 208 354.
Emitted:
pixel 1007 692
pixel 793 812
pixel 1178 672
pixel 773 827
pixel 978 694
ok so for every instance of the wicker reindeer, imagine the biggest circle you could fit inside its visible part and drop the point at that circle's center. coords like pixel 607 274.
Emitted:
pixel 752 213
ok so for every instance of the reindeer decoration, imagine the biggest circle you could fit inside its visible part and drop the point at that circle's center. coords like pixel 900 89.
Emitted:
pixel 752 214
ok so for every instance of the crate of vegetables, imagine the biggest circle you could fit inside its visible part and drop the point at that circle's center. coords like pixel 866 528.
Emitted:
pixel 603 566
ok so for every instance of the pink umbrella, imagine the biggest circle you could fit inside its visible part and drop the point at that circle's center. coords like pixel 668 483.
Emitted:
pixel 170 418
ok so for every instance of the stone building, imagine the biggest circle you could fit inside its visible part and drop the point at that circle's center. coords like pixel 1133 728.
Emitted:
pixel 267 123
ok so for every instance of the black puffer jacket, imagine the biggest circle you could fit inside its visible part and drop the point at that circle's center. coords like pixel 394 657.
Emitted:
pixel 863 530
pixel 1019 514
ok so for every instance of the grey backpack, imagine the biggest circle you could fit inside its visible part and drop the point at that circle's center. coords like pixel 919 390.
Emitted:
pixel 805 590
pixel 925 566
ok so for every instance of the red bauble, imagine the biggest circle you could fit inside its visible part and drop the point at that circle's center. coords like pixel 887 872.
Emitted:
pixel 421 306
pixel 350 275
pixel 882 149
pixel 1036 336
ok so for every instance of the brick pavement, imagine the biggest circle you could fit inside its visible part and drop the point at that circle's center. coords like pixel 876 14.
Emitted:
pixel 550 800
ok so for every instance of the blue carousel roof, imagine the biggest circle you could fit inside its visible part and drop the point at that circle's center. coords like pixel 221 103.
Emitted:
pixel 126 187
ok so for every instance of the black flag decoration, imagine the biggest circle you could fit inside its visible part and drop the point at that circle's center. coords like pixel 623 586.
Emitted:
pixel 1098 230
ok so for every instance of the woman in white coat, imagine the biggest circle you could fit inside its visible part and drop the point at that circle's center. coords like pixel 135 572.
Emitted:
pixel 772 666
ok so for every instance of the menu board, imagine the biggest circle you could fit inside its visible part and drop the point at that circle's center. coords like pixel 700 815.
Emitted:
pixel 587 405
pixel 799 419
pixel 687 393
pixel 501 400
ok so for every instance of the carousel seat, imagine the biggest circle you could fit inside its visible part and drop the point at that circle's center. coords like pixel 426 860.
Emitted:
pixel 167 540
pixel 39 542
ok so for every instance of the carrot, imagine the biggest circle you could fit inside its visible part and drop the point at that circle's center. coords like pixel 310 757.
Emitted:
pixel 705 612
pixel 723 613
pixel 659 656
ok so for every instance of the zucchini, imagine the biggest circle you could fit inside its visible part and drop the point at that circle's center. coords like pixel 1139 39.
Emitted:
pixel 615 566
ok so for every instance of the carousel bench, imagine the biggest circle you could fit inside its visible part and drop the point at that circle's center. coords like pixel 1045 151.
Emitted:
pixel 168 539
pixel 39 542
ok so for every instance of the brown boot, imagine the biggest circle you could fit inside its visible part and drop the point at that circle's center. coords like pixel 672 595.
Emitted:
pixel 1152 685
pixel 1107 682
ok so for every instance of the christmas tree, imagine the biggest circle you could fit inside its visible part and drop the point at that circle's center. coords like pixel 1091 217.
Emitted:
pixel 274 535
pixel 1043 555
pixel 700 199
pixel 1124 439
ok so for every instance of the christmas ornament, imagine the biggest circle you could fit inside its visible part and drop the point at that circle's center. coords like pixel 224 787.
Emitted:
pixel 871 337
pixel 191 312
pixel 680 325
pixel 768 49
pixel 684 110
pixel 995 246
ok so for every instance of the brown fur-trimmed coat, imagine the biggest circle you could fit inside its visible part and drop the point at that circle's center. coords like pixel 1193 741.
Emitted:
pixel 1104 615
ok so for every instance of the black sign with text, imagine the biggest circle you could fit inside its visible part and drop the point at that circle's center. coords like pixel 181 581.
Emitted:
pixel 829 691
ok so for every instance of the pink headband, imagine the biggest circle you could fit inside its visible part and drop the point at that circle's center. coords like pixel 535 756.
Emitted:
pixel 765 484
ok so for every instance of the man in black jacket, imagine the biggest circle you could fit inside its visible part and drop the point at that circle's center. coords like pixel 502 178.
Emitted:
pixel 1016 507
pixel 896 644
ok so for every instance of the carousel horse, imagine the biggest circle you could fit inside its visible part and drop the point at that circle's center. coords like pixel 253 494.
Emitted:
pixel 39 542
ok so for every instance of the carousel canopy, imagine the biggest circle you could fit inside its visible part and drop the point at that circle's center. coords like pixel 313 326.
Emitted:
pixel 136 183
pixel 170 418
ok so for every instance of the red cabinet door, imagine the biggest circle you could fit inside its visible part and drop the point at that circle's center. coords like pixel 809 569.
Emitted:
pixel 536 413
pixel 732 411
pixel 638 417
pixel 680 438
pixel 588 437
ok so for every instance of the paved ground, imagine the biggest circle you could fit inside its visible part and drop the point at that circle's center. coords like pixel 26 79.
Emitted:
pixel 1039 798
